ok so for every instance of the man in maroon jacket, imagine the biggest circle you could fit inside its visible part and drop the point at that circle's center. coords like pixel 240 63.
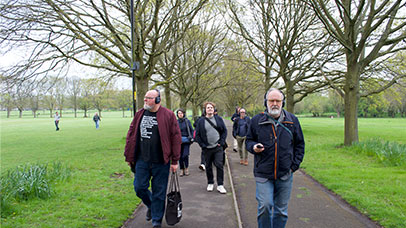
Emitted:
pixel 153 148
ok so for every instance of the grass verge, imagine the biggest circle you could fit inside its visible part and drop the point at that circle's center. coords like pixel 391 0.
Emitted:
pixel 99 192
pixel 377 189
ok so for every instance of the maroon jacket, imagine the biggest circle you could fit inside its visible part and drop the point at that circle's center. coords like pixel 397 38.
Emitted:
pixel 169 133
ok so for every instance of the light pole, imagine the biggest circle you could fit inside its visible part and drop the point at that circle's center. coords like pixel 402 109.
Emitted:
pixel 134 65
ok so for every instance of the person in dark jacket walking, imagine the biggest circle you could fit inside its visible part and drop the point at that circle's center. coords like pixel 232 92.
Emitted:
pixel 96 119
pixel 234 118
pixel 211 134
pixel 152 150
pixel 240 130
pixel 202 165
pixel 186 131
pixel 276 140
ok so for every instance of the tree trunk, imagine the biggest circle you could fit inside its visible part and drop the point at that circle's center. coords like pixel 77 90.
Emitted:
pixel 21 113
pixel 351 106
pixel 289 101
pixel 168 97
pixel 75 112
pixel 9 110
pixel 142 88
pixel 50 113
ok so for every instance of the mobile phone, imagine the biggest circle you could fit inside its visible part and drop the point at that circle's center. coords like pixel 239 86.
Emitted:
pixel 259 147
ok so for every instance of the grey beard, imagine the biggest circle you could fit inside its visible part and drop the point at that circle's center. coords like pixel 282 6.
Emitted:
pixel 147 107
pixel 274 112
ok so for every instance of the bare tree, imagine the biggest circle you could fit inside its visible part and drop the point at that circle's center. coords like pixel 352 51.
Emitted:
pixel 285 39
pixel 93 33
pixel 369 32
pixel 7 95
pixel 200 51
pixel 73 89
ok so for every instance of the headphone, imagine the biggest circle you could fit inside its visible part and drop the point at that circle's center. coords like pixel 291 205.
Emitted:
pixel 270 90
pixel 158 98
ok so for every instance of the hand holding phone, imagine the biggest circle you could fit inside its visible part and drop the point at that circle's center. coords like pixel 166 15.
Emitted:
pixel 258 148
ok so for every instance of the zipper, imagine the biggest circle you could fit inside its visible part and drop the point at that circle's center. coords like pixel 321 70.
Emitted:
pixel 276 151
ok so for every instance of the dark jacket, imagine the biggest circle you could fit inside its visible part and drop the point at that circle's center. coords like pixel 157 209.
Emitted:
pixel 283 151
pixel 236 127
pixel 96 118
pixel 184 123
pixel 234 116
pixel 201 137
pixel 168 131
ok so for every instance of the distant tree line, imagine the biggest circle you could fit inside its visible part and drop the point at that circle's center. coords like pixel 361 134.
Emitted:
pixel 65 93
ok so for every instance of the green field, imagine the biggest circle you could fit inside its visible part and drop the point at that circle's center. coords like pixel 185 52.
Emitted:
pixel 100 193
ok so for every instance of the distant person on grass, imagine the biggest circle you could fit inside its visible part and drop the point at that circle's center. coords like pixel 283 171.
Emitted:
pixel 186 131
pixel 276 140
pixel 211 134
pixel 96 119
pixel 152 150
pixel 56 119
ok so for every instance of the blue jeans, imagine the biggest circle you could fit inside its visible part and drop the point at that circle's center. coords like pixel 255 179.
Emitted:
pixel 154 200
pixel 273 194
pixel 97 124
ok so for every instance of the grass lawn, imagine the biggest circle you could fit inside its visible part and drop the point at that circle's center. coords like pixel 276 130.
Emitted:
pixel 376 190
pixel 100 193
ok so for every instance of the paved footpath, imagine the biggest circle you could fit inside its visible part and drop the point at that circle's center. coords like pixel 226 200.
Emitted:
pixel 311 205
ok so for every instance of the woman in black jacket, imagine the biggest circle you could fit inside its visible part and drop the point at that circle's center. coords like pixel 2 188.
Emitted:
pixel 186 130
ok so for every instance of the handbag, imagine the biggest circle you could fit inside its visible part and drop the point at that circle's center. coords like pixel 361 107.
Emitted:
pixel 173 212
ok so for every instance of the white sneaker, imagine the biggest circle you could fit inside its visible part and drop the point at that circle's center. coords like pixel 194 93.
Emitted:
pixel 221 189
pixel 202 167
pixel 210 187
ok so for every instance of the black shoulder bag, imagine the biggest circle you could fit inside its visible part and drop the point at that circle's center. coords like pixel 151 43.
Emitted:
pixel 215 127
pixel 173 212
pixel 190 136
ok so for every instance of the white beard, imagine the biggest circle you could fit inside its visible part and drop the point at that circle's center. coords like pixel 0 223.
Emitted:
pixel 147 107
pixel 274 112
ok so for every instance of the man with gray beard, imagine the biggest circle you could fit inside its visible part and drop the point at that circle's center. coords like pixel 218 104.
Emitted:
pixel 275 138
pixel 152 150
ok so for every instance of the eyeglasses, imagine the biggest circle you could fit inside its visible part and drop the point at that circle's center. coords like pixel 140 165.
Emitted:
pixel 272 101
pixel 242 112
pixel 149 98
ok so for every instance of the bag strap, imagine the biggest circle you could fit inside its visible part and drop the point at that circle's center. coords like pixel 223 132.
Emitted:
pixel 275 120
pixel 187 127
pixel 174 183
pixel 212 124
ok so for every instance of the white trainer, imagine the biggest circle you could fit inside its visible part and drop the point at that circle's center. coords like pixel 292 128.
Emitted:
pixel 221 189
pixel 202 167
pixel 210 187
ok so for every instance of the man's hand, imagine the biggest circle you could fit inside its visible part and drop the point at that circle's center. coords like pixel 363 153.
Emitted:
pixel 129 163
pixel 258 148
pixel 174 168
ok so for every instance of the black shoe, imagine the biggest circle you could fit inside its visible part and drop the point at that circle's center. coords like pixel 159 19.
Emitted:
pixel 149 217
pixel 235 150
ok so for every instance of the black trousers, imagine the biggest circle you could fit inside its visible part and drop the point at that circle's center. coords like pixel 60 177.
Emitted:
pixel 214 156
